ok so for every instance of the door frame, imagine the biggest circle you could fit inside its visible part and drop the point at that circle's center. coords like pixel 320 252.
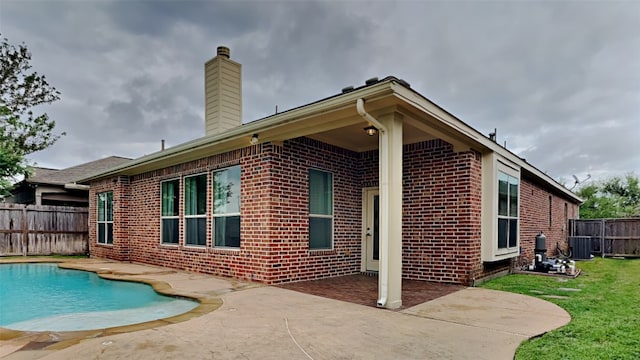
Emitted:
pixel 367 194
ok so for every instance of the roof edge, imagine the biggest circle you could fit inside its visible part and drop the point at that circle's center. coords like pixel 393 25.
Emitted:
pixel 480 138
pixel 388 85
pixel 382 87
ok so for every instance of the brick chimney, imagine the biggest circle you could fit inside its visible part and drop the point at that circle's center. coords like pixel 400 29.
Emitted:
pixel 222 93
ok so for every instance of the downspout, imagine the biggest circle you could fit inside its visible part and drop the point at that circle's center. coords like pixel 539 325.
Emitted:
pixel 362 112
pixel 383 176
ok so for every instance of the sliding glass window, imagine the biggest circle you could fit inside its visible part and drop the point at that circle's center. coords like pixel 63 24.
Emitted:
pixel 170 192
pixel 105 218
pixel 508 194
pixel 226 207
pixel 195 210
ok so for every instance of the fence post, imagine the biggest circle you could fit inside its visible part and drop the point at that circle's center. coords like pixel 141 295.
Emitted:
pixel 602 242
pixel 25 232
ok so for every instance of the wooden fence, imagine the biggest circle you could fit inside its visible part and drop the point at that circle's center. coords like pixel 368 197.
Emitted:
pixel 43 230
pixel 608 237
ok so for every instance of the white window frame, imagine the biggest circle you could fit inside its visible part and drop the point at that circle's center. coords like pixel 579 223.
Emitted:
pixel 492 165
pixel 322 216
pixel 108 206
pixel 510 175
pixel 172 217
pixel 221 215
pixel 186 216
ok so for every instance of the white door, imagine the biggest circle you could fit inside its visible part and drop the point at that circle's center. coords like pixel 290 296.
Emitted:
pixel 371 229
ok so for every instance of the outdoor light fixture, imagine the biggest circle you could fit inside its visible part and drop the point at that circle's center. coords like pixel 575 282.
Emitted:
pixel 371 130
pixel 254 139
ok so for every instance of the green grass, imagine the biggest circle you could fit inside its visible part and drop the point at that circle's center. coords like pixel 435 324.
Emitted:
pixel 605 314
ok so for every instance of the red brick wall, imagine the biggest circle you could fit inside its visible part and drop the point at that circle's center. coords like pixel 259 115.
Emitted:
pixel 274 221
pixel 441 211
pixel 292 260
pixel 442 208
pixel 245 262
pixel 542 210
pixel 119 250
pixel 442 203
pixel 441 214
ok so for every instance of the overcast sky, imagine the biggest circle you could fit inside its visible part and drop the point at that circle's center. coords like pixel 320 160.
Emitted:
pixel 559 80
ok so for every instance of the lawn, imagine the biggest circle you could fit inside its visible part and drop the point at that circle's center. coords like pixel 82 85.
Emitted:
pixel 605 313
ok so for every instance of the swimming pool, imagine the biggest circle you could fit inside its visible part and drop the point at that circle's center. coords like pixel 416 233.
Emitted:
pixel 43 297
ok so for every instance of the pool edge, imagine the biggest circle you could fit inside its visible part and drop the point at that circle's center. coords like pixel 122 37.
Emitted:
pixel 64 339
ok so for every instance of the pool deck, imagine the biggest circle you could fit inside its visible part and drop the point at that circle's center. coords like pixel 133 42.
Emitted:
pixel 238 319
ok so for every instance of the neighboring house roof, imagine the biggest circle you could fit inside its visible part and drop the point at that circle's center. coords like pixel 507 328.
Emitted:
pixel 334 119
pixel 72 174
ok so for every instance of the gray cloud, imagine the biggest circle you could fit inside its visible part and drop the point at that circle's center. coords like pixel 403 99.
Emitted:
pixel 560 80
pixel 158 18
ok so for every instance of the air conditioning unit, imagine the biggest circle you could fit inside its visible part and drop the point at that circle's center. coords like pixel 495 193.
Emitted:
pixel 580 247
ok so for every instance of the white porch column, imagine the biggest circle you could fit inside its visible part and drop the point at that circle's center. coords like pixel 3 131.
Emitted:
pixel 390 167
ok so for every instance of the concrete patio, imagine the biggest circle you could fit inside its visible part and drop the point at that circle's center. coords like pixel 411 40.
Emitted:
pixel 249 321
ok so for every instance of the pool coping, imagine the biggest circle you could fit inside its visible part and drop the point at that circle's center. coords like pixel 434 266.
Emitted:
pixel 56 340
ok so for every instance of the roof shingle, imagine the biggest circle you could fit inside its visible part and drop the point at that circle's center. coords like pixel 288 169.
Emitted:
pixel 60 177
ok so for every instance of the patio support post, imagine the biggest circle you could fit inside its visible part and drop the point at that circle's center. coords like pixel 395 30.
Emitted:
pixel 390 167
pixel 390 189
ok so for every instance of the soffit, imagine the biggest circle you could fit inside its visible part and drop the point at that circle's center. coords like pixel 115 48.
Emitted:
pixel 353 137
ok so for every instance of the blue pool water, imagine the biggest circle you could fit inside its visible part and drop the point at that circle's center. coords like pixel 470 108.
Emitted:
pixel 43 297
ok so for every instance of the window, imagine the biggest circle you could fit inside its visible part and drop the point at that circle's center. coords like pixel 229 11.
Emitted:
pixel 195 210
pixel 170 190
pixel 226 207
pixel 508 193
pixel 501 208
pixel 105 218
pixel 320 209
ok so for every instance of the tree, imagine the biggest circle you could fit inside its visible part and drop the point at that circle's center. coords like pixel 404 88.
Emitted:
pixel 615 197
pixel 21 131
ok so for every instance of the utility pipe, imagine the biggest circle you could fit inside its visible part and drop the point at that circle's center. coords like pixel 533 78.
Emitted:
pixel 383 176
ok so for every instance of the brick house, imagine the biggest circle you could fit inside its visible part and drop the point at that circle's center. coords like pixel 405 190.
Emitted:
pixel 376 178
